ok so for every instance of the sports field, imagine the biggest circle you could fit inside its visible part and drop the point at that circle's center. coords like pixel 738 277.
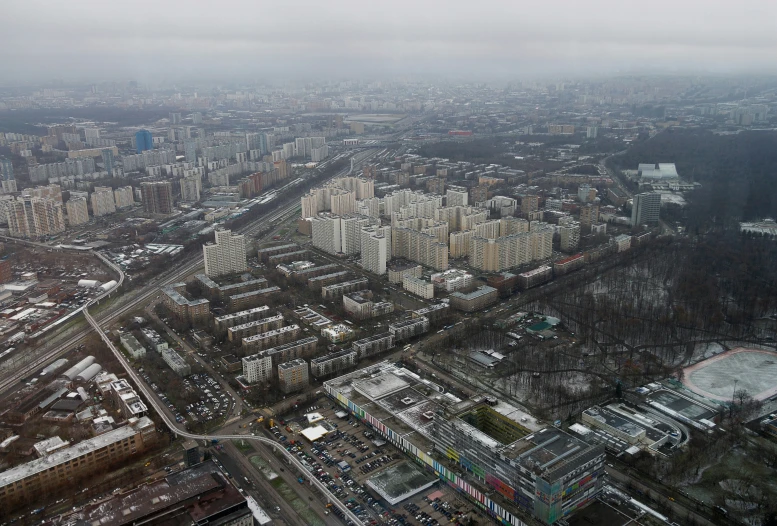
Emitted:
pixel 754 370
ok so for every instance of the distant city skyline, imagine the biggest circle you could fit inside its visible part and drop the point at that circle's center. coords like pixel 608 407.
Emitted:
pixel 243 40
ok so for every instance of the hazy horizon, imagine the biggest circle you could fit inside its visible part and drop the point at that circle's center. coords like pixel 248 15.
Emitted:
pixel 242 40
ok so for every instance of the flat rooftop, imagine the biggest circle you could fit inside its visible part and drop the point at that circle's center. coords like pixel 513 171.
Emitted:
pixel 175 490
pixel 400 482
pixel 66 455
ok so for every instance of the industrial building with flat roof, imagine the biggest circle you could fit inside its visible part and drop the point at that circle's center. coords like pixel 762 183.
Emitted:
pixel 488 450
pixel 27 481
pixel 200 494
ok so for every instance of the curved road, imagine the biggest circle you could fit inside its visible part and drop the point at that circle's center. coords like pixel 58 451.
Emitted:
pixel 180 432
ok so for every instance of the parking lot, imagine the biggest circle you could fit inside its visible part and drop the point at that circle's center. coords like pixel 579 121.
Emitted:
pixel 207 400
pixel 352 453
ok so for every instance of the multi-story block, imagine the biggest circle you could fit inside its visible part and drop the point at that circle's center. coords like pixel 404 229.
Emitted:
pixel 251 328
pixel 333 363
pixel 478 299
pixel 304 348
pixel 251 299
pixel 185 309
pixel 336 290
pixel 102 201
pixel 421 288
pixel 244 316
pixel 226 256
pixel 374 344
pixel 190 189
pixel 77 211
pixel 157 197
pixel 271 338
pixel 257 368
pixel 398 271
pixel 567 265
pixel 435 313
pixel 375 245
pixel 646 208
pixel 176 362
pixel 532 278
pixel 404 330
pixel 25 482
pixel 124 197
pixel 569 237
pixel 589 214
pixel 459 244
pixel 452 280
pixel 35 217
pixel 456 195
pixel 293 376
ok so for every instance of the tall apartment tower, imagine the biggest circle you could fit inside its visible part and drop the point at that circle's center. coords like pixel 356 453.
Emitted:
pixel 143 141
pixel 570 237
pixel 157 197
pixel 226 256
pixel 8 179
pixel 646 208
pixel 530 203
pixel 589 214
pixel 326 233
pixel 35 217
pixel 457 195
pixel 124 197
pixel 108 161
pixel 190 189
pixel 375 247
pixel 77 211
pixel 102 201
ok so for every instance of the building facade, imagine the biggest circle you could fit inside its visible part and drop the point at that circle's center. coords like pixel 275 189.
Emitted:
pixel 77 211
pixel 157 197
pixel 293 376
pixel 226 256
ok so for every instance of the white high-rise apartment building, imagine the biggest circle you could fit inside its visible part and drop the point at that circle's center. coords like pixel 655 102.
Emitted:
pixel 77 211
pixel 124 197
pixel 646 208
pixel 190 189
pixel 257 368
pixel 226 256
pixel 570 237
pixel 326 233
pixel 350 231
pixel 457 195
pixel 375 249
pixel 102 201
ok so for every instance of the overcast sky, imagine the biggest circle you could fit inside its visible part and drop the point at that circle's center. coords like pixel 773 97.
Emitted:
pixel 179 40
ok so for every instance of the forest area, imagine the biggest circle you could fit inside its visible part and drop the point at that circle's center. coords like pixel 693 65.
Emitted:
pixel 737 172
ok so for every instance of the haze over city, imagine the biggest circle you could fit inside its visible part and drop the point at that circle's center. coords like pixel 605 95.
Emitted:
pixel 408 263
pixel 178 41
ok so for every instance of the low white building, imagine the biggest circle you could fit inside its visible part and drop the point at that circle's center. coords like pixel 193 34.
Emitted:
pixel 419 287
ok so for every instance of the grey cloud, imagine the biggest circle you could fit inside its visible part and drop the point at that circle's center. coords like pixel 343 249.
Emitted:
pixel 43 39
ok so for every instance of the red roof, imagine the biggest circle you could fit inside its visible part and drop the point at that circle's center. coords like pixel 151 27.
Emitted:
pixel 570 258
